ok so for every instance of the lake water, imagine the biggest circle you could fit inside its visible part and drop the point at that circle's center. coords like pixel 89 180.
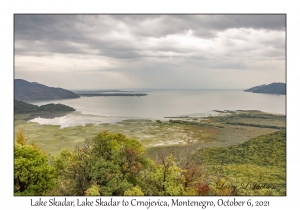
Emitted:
pixel 161 103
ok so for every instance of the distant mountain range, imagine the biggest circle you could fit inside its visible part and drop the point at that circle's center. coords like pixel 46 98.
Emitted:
pixel 27 91
pixel 273 88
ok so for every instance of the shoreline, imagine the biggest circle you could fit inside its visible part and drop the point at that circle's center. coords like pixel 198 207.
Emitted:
pixel 206 131
pixel 56 118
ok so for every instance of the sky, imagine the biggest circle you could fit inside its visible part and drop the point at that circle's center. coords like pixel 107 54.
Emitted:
pixel 150 51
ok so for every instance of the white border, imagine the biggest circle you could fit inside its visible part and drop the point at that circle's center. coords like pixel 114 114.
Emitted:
pixel 8 8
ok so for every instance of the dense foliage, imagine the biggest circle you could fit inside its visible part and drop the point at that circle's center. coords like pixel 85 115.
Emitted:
pixel 259 164
pixel 111 164
pixel 21 107
pixel 51 108
pixel 32 173
pixel 114 165
pixel 267 150
pixel 110 161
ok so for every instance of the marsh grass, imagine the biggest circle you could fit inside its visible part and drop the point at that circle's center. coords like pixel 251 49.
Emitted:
pixel 211 131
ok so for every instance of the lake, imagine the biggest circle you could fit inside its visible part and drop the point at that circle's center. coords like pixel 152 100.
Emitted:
pixel 161 103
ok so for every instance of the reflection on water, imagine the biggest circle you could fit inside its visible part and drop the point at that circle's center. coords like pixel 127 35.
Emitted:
pixel 74 119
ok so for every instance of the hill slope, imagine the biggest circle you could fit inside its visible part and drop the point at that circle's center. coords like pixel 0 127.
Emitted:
pixel 25 91
pixel 25 108
pixel 273 88
pixel 255 167
pixel 266 150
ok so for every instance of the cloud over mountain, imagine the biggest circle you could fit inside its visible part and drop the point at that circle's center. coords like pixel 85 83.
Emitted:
pixel 153 51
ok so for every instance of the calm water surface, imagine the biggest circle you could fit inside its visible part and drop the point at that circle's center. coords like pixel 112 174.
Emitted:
pixel 161 103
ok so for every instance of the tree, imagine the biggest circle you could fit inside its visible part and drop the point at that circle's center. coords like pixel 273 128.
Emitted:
pixel 93 191
pixel 134 191
pixel 32 173
pixel 21 137
pixel 111 161
pixel 164 178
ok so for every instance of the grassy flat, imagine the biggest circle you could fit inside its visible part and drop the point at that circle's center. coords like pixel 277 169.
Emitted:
pixel 210 131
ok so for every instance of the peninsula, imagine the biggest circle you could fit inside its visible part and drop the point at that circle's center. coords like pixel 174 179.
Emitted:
pixel 112 94
pixel 273 88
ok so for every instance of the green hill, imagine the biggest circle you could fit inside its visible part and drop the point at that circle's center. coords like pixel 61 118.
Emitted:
pixel 256 167
pixel 24 108
pixel 21 107
pixel 266 150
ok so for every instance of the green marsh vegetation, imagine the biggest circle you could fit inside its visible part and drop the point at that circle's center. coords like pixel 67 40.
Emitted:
pixel 208 131
pixel 21 107
pixel 195 156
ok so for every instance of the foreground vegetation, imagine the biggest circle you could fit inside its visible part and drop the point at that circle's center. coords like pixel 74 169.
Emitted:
pixel 112 164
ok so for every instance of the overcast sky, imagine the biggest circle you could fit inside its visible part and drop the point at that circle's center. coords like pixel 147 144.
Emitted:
pixel 150 51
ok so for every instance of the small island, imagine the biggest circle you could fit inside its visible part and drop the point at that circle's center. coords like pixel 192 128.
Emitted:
pixel 21 107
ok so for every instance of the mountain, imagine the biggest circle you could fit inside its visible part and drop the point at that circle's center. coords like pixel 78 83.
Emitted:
pixel 21 107
pixel 273 88
pixel 254 88
pixel 26 91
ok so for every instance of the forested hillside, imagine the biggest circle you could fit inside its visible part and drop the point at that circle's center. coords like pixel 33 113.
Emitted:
pixel 255 167
pixel 27 91
pixel 267 150
pixel 21 107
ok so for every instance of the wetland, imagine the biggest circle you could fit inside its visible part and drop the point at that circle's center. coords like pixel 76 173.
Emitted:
pixel 219 130
pixel 216 145
pixel 160 119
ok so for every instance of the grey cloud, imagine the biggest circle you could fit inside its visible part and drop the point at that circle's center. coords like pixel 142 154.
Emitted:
pixel 74 26
pixel 140 45
pixel 57 30
pixel 204 25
